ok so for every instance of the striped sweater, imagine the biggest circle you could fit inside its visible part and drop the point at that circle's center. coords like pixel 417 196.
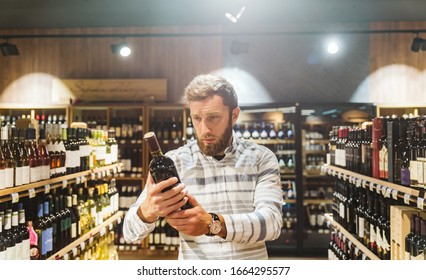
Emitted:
pixel 244 187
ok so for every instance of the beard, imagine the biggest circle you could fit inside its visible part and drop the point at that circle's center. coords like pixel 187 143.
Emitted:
pixel 218 147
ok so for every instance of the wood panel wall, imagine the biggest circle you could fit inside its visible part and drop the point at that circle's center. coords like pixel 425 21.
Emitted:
pixel 28 77
pixel 398 75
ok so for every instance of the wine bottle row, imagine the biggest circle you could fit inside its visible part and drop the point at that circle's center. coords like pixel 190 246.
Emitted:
pixel 342 248
pixel 263 130
pixel 390 148
pixel 25 159
pixel 365 214
pixel 49 222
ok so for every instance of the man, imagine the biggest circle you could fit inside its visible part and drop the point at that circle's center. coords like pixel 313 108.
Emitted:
pixel 233 184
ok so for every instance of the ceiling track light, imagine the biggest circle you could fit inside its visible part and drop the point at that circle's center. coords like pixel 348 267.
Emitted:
pixel 233 18
pixel 8 49
pixel 121 48
pixel 418 44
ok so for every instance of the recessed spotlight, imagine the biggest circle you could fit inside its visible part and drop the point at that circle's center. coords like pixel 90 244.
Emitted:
pixel 332 47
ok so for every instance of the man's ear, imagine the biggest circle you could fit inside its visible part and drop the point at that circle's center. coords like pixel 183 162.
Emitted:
pixel 235 114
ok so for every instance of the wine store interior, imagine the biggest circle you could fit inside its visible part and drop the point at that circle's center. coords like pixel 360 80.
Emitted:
pixel 334 88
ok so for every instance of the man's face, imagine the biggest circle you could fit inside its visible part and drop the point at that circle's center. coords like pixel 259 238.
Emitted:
pixel 213 124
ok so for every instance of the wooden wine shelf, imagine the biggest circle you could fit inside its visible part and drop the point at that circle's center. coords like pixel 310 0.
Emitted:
pixel 41 186
pixel 388 189
pixel 272 141
pixel 99 229
pixel 348 235
pixel 317 201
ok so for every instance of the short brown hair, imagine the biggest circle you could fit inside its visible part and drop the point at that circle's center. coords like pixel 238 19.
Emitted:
pixel 203 86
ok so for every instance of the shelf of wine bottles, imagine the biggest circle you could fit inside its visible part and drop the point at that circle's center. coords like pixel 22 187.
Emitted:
pixel 50 220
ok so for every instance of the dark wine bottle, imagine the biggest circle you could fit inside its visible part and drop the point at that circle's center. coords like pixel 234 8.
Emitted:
pixel 161 166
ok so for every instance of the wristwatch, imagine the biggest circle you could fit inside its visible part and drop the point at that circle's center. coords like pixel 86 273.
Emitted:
pixel 215 226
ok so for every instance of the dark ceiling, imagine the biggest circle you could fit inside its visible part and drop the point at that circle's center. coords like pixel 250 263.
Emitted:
pixel 121 13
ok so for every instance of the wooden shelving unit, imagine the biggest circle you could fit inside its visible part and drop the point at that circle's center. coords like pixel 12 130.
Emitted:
pixel 359 245
pixel 101 229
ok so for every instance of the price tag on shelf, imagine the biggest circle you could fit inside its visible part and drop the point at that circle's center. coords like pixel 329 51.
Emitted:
pixel 344 177
pixel 371 186
pixel 90 240
pixel 323 169
pixel 114 170
pixel 108 172
pixel 110 227
pixel 119 168
pixel 378 189
pixel 64 184
pixel 83 179
pixel 46 188
pixel 31 193
pixel 102 231
pixel 356 250
pixel 420 201
pixel 82 245
pixel 66 256
pixel 407 198
pixel 358 183
pixel 78 180
pixel 339 176
pixel 395 194
pixel 119 220
pixel 99 175
pixel 74 251
pixel 388 192
pixel 104 173
pixel 384 190
pixel 364 183
pixel 93 176
pixel 15 197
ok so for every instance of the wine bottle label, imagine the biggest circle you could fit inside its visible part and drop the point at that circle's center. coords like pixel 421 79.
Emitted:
pixel 373 236
pixel 361 224
pixel 18 176
pixel 413 170
pixel 73 230
pixel 11 253
pixel 33 174
pixel 18 250
pixel 2 179
pixel 3 255
pixel 26 249
pixel 25 175
pixel 8 172
pixel 342 210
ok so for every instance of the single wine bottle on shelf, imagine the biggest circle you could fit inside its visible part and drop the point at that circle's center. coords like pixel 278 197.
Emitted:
pixel 161 167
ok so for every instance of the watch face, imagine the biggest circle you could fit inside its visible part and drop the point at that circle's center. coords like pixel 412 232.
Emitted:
pixel 215 227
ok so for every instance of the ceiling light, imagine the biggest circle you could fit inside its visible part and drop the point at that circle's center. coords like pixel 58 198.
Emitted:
pixel 8 49
pixel 234 19
pixel 332 48
pixel 121 48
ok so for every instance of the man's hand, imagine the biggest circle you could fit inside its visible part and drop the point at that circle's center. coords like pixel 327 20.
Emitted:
pixel 194 221
pixel 160 204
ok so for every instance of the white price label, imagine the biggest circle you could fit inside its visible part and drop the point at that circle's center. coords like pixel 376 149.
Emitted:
pixel 99 175
pixel 90 240
pixel 74 251
pixel 104 173
pixel 384 190
pixel 82 246
pixel 64 184
pixel 114 170
pixel 358 183
pixel 78 180
pixel 108 172
pixel 110 227
pixel 407 198
pixel 119 220
pixel 395 194
pixel 66 256
pixel 31 193
pixel 102 231
pixel 93 176
pixel 46 188
pixel 323 169
pixel 329 172
pixel 83 179
pixel 15 197
pixel 371 186
pixel 364 184
pixel 378 189
pixel 420 201
pixel 344 177
pixel 119 168
pixel 339 175
pixel 356 250
pixel 388 192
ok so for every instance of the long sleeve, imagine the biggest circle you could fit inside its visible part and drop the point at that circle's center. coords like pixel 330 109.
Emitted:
pixel 265 222
pixel 133 227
